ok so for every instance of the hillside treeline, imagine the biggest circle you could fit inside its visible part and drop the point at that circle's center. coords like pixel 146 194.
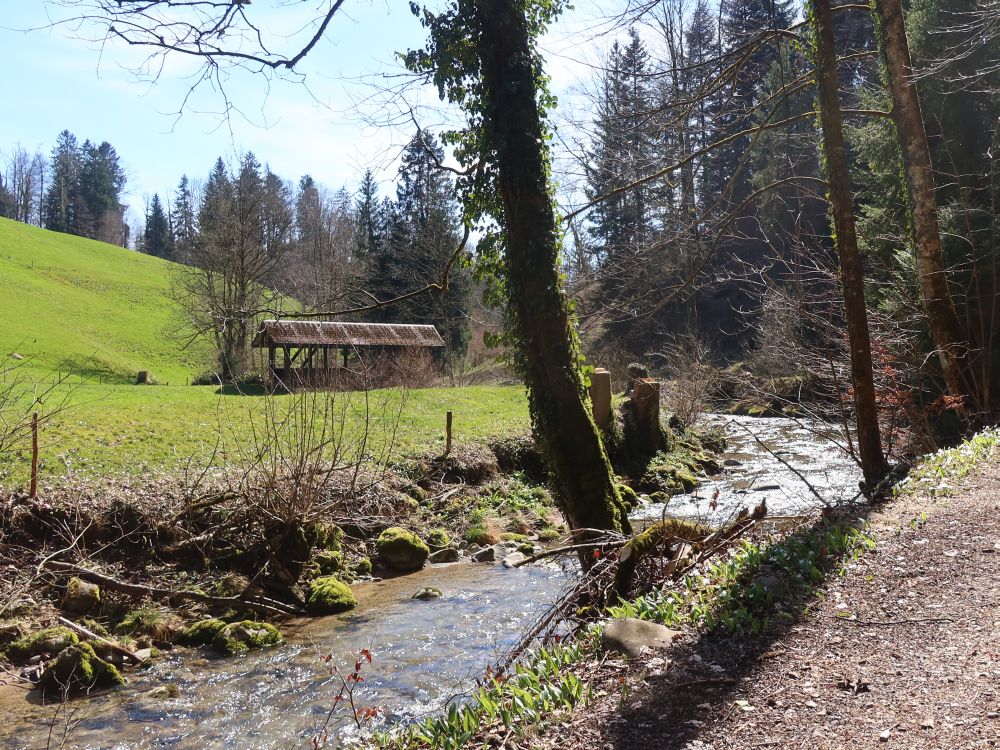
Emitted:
pixel 77 189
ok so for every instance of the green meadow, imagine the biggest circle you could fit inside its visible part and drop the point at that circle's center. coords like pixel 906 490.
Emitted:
pixel 99 313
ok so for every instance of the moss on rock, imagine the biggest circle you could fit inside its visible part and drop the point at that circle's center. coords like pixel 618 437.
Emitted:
pixel 401 549
pixel 362 567
pixel 629 496
pixel 324 536
pixel 77 669
pixel 330 596
pixel 81 596
pixel 202 632
pixel 438 539
pixel 46 642
pixel 328 562
pixel 246 635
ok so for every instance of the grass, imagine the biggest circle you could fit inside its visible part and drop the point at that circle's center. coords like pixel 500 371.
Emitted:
pixel 99 311
pixel 115 429
pixel 102 313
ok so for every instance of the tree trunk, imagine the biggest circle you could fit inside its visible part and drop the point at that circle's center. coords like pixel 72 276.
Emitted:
pixel 537 306
pixel 942 319
pixel 873 463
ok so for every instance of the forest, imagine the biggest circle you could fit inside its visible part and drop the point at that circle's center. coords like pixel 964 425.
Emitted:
pixel 746 282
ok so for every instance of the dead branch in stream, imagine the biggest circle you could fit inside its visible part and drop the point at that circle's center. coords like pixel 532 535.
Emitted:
pixel 259 604
pixel 666 551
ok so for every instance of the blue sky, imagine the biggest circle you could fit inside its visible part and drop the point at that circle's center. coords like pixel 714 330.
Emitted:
pixel 333 129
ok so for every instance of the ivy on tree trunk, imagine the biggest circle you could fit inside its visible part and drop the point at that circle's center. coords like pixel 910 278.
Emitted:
pixel 537 304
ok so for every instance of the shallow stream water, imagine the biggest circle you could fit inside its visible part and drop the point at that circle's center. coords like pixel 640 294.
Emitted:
pixel 424 652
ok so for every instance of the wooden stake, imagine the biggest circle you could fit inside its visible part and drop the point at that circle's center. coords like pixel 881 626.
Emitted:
pixel 447 445
pixel 33 492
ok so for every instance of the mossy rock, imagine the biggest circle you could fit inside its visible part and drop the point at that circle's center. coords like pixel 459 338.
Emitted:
pixel 549 534
pixel 328 562
pixel 687 480
pixel 402 550
pixel 46 642
pixel 438 539
pixel 362 567
pixel 246 635
pixel 330 596
pixel 202 632
pixel 510 536
pixel 229 584
pixel 326 536
pixel 526 548
pixel 78 669
pixel 95 627
pixel 153 623
pixel 81 596
pixel 629 496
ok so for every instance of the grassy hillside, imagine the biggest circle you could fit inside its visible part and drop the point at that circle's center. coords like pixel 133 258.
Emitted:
pixel 101 311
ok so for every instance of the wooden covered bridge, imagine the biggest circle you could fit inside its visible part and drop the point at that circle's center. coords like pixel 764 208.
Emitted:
pixel 315 354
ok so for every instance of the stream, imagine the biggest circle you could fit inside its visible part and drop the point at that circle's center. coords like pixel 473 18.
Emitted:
pixel 424 652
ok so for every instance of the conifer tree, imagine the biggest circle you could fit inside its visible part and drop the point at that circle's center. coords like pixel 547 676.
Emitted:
pixel 183 224
pixel 63 199
pixel 157 238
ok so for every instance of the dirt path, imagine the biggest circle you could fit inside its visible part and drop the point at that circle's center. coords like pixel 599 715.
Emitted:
pixel 902 652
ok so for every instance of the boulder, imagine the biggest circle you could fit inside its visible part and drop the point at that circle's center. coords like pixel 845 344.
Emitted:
pixel 78 669
pixel 513 559
pixel 428 593
pixel 202 632
pixel 485 555
pixel 43 643
pixel 402 550
pixel 164 692
pixel 246 635
pixel 330 596
pixel 631 637
pixel 772 585
pixel 81 596
pixel 438 539
pixel 446 555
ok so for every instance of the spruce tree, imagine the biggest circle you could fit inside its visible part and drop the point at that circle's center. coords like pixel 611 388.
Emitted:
pixel 62 198
pixel 157 239
pixel 182 221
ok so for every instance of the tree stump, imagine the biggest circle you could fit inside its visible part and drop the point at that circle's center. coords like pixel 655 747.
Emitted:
pixel 600 397
pixel 643 434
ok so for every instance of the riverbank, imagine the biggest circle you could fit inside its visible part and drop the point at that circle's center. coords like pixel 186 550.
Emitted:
pixel 896 649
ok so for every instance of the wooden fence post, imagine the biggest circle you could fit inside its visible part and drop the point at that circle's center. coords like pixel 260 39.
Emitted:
pixel 447 427
pixel 33 492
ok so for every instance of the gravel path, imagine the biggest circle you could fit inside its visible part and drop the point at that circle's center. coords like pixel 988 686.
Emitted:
pixel 902 652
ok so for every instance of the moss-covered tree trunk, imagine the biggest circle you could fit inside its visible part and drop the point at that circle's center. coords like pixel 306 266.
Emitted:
pixel 873 463
pixel 538 307
pixel 945 327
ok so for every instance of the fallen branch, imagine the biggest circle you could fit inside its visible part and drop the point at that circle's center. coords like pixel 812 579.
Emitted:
pixel 617 543
pixel 269 607
pixel 207 502
pixel 95 637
